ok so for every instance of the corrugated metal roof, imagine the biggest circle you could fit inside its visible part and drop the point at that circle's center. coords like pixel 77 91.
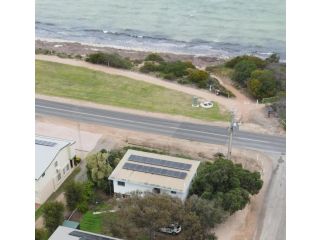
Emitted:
pixel 65 233
pixel 46 150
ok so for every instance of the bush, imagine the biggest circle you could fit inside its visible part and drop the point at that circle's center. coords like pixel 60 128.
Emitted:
pixel 169 76
pixel 242 71
pixel 148 67
pixel 115 156
pixel 226 183
pixel 83 207
pixel 41 234
pixel 262 84
pixel 53 215
pixel 112 60
pixel 44 51
pixel 260 63
pixel 273 58
pixel 154 57
pixel 73 194
pixel 177 68
pixel 197 76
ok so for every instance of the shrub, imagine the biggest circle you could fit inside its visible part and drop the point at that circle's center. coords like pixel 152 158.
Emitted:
pixel 242 71
pixel 41 234
pixel 177 68
pixel 44 51
pixel 83 207
pixel 169 76
pixel 53 215
pixel 154 57
pixel 73 194
pixel 260 63
pixel 112 60
pixel 273 58
pixel 98 169
pixel 196 75
pixel 226 183
pixel 262 84
pixel 148 67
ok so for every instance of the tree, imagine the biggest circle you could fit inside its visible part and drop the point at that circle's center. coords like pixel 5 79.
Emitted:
pixel 242 71
pixel 262 84
pixel 115 156
pixel 152 211
pixel 199 77
pixel 53 215
pixel 235 199
pixel 78 195
pixel 99 169
pixel 226 184
pixel 209 212
pixel 73 194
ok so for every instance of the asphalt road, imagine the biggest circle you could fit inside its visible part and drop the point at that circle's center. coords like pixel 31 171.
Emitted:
pixel 176 129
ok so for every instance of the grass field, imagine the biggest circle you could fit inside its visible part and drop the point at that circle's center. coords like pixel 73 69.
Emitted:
pixel 80 83
pixel 91 222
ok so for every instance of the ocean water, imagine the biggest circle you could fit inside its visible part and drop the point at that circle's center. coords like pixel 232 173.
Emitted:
pixel 204 27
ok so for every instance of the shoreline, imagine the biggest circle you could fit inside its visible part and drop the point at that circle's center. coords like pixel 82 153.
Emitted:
pixel 78 48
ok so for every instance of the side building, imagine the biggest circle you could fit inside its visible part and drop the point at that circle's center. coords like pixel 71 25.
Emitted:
pixel 54 163
pixel 143 171
pixel 66 233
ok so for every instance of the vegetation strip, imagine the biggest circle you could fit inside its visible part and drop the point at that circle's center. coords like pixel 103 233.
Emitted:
pixel 81 83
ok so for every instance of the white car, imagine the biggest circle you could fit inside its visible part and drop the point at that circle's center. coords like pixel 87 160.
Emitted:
pixel 206 104
pixel 173 229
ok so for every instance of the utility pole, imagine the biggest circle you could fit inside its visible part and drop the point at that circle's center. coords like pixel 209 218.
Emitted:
pixel 233 126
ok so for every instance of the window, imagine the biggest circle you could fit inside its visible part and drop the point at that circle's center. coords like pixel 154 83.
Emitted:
pixel 67 167
pixel 121 183
pixel 59 176
pixel 64 171
pixel 43 174
pixel 56 164
pixel 173 192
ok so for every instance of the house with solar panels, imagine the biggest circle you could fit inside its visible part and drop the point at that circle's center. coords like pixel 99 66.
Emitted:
pixel 142 171
pixel 67 233
pixel 54 163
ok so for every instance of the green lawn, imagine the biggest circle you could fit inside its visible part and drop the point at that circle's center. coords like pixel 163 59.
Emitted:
pixel 91 222
pixel 80 83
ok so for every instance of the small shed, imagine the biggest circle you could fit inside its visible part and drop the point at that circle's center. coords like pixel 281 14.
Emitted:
pixel 71 224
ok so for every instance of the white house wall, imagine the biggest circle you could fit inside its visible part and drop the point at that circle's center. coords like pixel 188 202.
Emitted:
pixel 49 183
pixel 131 187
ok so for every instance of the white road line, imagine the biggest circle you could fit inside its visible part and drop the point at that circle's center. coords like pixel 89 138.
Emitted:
pixel 148 124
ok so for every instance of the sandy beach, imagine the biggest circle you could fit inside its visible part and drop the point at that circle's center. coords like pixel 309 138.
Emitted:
pixel 76 48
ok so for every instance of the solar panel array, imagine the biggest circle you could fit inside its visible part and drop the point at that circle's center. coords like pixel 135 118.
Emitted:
pixel 45 143
pixel 160 162
pixel 154 170
pixel 87 236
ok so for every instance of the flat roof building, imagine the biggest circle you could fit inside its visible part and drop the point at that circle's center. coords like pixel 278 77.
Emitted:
pixel 144 171
pixel 66 233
